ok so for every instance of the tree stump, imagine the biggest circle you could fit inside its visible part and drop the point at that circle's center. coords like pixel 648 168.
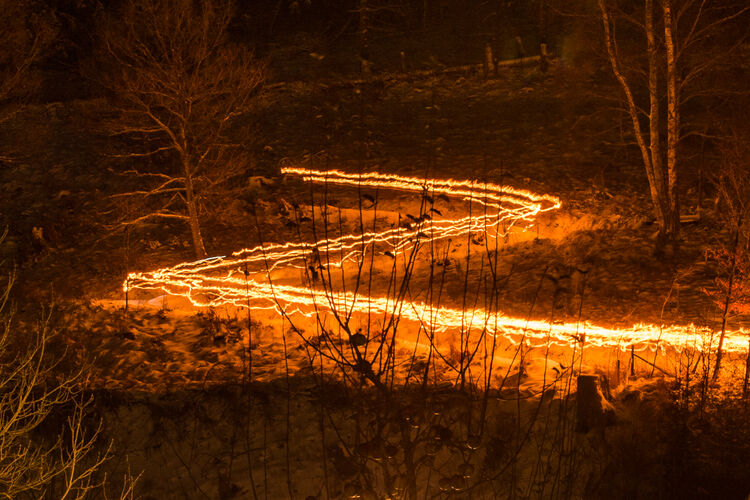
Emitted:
pixel 593 410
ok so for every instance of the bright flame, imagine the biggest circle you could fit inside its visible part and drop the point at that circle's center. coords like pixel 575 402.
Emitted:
pixel 244 279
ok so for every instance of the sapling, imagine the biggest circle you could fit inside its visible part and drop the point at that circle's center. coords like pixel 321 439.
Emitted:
pixel 731 292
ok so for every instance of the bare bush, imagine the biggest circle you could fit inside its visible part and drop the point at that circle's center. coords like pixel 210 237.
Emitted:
pixel 48 446
pixel 426 398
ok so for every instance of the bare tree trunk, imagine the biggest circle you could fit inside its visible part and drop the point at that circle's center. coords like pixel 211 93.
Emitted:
pixel 662 179
pixel 192 206
pixel 640 138
pixel 673 123
pixel 653 119
pixel 364 36
pixel 667 218
pixel 542 22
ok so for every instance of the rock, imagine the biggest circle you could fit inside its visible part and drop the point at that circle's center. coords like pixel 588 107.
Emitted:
pixel 9 249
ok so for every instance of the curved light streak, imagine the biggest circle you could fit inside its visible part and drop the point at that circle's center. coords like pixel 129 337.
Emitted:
pixel 244 278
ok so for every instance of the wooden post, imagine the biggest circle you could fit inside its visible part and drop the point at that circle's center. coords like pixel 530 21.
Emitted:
pixel 618 372
pixel 520 51
pixel 543 62
pixel 403 62
pixel 632 360
pixel 489 61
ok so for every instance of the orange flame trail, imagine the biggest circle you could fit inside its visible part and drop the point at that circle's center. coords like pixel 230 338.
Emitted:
pixel 244 278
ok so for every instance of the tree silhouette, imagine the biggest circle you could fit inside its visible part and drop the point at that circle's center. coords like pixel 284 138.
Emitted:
pixel 28 30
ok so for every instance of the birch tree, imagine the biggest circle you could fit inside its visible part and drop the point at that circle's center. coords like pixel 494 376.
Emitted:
pixel 178 83
pixel 675 34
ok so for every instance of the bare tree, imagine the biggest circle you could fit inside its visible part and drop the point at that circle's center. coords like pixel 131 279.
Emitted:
pixel 27 31
pixel 676 34
pixel 732 289
pixel 373 16
pixel 178 82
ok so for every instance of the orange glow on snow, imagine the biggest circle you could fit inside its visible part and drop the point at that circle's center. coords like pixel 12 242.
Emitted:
pixel 245 278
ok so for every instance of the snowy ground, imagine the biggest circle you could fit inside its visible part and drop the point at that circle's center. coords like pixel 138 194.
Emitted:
pixel 173 381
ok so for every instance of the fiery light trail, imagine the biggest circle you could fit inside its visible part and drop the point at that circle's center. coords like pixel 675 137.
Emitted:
pixel 245 278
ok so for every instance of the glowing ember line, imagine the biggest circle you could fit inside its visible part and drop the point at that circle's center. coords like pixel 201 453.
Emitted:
pixel 245 277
